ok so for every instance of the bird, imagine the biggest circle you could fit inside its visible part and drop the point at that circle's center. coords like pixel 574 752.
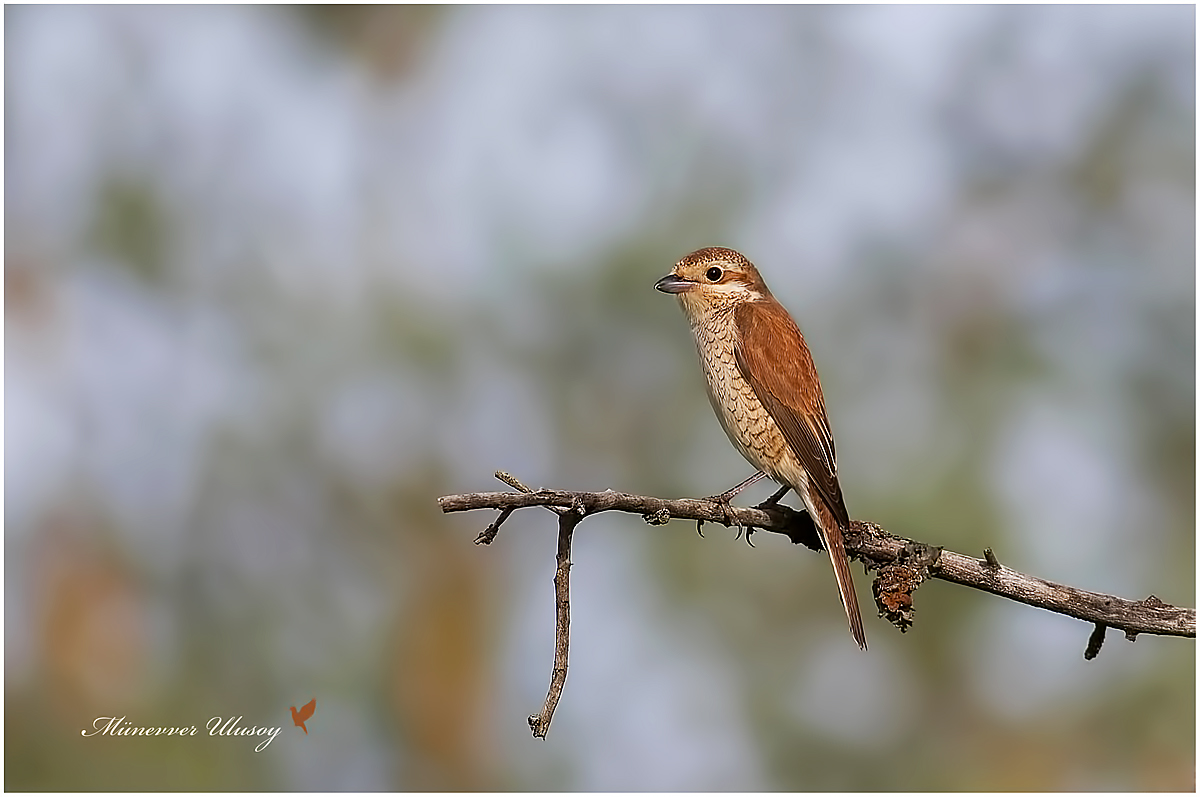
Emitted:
pixel 304 714
pixel 763 386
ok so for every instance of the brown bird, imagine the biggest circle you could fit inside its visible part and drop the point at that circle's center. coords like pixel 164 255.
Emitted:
pixel 304 714
pixel 764 389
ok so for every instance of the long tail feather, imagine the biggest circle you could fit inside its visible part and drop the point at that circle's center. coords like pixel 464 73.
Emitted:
pixel 831 535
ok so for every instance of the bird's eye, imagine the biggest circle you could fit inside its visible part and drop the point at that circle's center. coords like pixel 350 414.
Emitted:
pixel 713 274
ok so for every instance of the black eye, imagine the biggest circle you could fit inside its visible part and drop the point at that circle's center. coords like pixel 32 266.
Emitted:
pixel 713 274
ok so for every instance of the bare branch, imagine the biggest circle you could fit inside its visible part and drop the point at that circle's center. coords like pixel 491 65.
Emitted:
pixel 902 565
pixel 1095 641
pixel 779 518
pixel 540 723
pixel 874 546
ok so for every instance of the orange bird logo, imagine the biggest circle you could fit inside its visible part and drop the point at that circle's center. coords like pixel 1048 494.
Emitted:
pixel 304 714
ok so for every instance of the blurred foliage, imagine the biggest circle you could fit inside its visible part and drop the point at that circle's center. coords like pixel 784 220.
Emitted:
pixel 390 40
pixel 131 229
pixel 303 270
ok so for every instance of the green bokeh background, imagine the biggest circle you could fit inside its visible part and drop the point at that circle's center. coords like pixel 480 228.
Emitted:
pixel 278 278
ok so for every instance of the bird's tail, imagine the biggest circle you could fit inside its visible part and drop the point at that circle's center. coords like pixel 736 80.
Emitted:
pixel 841 571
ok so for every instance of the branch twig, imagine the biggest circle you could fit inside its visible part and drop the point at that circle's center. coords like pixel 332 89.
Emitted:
pixel 540 723
pixel 902 564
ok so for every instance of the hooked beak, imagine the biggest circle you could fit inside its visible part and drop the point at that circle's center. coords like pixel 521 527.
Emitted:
pixel 673 284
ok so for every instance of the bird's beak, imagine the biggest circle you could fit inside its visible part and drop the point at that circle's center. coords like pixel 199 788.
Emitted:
pixel 673 284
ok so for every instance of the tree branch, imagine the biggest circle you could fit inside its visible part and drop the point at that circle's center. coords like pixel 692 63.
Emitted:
pixel 902 565
pixel 540 723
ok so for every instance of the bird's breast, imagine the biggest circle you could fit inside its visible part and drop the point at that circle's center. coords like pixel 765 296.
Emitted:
pixel 743 417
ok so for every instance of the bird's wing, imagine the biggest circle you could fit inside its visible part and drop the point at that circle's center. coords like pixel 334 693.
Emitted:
pixel 771 355
pixel 308 709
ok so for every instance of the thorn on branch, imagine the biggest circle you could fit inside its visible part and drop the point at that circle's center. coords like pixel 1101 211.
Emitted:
pixel 1149 602
pixel 1095 641
pixel 990 558
pixel 1153 602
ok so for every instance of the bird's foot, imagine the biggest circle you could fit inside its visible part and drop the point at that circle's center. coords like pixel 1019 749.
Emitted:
pixel 726 508
pixel 726 497
pixel 730 518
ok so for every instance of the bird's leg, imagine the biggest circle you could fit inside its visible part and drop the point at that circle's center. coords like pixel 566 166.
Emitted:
pixel 731 493
pixel 770 502
pixel 774 499
pixel 724 498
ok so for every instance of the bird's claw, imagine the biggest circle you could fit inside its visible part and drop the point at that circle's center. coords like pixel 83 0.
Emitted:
pixel 723 499
pixel 748 531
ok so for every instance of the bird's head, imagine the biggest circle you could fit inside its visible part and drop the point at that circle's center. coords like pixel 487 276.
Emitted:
pixel 713 279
